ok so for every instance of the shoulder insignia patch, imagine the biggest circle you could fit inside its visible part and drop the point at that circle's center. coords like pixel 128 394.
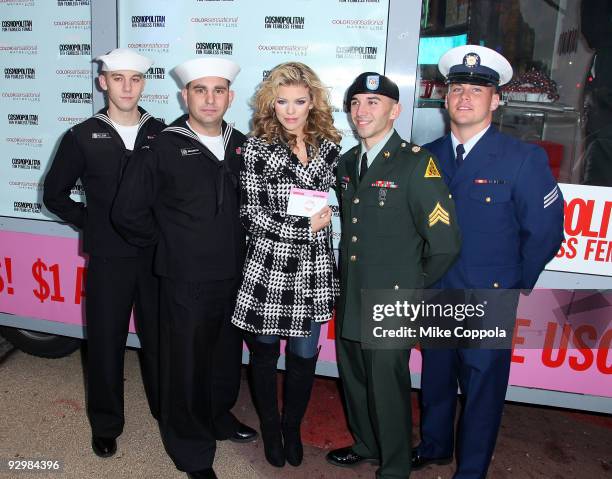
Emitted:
pixel 438 214
pixel 416 149
pixel 432 170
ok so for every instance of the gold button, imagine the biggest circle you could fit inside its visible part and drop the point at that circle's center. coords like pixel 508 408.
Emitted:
pixel 496 285
pixel 396 287
pixel 450 196
pixel 488 199
pixel 381 203
pixel 403 145
pixel 353 258
pixel 356 200
pixel 354 239
pixel 354 220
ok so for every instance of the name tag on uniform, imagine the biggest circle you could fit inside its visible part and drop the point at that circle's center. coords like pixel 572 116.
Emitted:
pixel 100 136
pixel 189 151
pixel 305 202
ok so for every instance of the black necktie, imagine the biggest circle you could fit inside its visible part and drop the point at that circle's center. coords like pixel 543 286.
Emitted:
pixel 459 158
pixel 363 167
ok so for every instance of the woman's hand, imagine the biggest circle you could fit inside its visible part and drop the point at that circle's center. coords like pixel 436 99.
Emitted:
pixel 321 219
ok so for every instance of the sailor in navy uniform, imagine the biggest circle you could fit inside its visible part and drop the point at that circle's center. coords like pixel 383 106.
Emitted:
pixel 510 213
pixel 119 275
pixel 182 194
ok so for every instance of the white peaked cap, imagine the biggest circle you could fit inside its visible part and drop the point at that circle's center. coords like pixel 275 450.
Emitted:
pixel 475 64
pixel 124 59
pixel 207 67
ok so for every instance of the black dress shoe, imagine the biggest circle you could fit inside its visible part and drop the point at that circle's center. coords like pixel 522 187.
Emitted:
pixel 104 446
pixel 244 434
pixel 346 457
pixel 208 473
pixel 419 461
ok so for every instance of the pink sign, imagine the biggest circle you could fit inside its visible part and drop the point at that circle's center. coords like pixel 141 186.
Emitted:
pixel 569 334
pixel 42 277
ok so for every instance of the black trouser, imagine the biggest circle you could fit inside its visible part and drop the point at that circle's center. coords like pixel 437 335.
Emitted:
pixel 113 285
pixel 200 373
pixel 227 358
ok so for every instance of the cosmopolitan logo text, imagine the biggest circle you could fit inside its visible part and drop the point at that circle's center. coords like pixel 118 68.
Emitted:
pixel 25 164
pixel 26 73
pixel 25 207
pixel 76 97
pixel 16 25
pixel 22 119
pixel 155 73
pixel 265 74
pixel 74 49
pixel 294 23
pixel 73 3
pixel 148 21
pixel 359 53
pixel 214 48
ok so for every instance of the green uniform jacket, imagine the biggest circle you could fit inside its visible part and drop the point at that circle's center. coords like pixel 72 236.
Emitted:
pixel 399 228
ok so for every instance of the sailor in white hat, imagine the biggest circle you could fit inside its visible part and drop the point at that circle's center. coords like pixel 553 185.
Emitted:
pixel 510 211
pixel 119 275
pixel 182 194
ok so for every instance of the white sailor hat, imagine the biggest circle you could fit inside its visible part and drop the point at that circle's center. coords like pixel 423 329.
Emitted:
pixel 475 64
pixel 206 67
pixel 124 59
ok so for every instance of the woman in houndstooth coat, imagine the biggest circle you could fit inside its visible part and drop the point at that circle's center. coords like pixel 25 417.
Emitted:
pixel 290 284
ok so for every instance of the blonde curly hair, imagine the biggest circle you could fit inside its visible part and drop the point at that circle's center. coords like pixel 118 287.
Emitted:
pixel 320 122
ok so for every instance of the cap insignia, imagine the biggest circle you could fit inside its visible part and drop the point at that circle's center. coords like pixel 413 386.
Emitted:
pixel 471 60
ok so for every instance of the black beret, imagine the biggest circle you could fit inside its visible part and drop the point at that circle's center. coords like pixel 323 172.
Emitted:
pixel 372 82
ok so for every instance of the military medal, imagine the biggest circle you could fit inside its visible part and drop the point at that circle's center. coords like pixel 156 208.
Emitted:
pixel 344 182
pixel 382 196
pixel 384 184
pixel 484 181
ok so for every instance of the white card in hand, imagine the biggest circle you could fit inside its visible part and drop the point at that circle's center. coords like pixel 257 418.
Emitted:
pixel 305 202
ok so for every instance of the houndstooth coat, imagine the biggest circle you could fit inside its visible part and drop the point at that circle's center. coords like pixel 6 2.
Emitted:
pixel 290 276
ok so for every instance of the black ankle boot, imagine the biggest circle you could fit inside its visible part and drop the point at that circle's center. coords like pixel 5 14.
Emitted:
pixel 299 378
pixel 263 374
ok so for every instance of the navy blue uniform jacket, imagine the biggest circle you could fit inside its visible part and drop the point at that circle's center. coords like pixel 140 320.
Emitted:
pixel 509 209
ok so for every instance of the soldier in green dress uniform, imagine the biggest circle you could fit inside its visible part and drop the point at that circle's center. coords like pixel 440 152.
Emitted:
pixel 399 231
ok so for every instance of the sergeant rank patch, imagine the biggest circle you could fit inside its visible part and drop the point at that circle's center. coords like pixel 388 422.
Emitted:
pixel 432 170
pixel 438 214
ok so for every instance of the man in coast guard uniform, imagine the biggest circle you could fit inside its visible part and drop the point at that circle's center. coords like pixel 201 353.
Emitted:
pixel 119 275
pixel 182 194
pixel 399 231
pixel 510 212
